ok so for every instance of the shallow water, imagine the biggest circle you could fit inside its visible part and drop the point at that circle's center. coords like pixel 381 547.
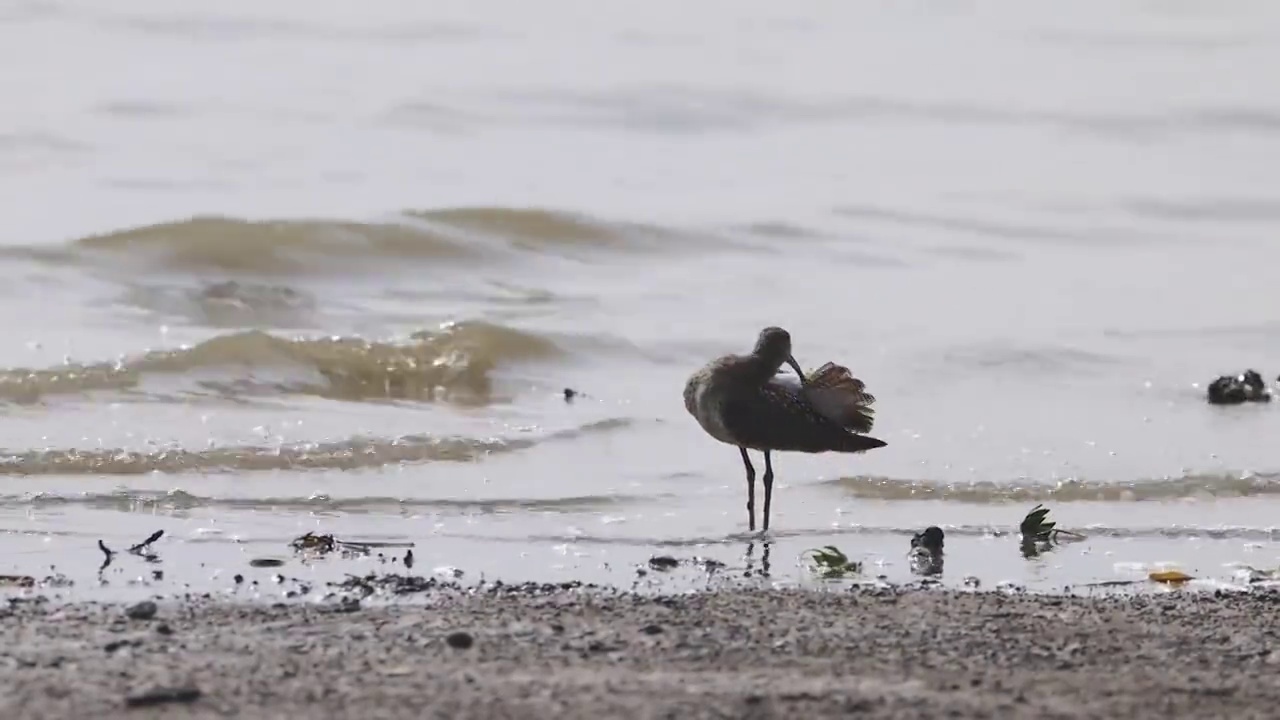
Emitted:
pixel 305 267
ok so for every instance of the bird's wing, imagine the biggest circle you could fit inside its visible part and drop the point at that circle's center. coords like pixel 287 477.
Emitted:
pixel 780 416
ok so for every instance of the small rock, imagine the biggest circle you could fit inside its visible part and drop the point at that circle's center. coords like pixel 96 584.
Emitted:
pixel 460 640
pixel 164 629
pixel 349 604
pixel 161 696
pixel 265 562
pixel 115 645
pixel 653 629
pixel 144 610
pixel 663 562
pixel 238 578
pixel 570 394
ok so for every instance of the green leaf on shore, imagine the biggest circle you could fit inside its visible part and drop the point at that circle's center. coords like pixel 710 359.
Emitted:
pixel 1039 533
pixel 1035 527
pixel 830 563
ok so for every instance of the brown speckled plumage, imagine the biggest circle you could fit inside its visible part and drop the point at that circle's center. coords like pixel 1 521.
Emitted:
pixel 739 400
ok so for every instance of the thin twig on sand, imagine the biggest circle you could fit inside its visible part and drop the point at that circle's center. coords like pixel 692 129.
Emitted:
pixel 142 549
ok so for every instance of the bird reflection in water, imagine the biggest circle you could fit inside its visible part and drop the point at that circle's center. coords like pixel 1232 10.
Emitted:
pixel 764 560
pixel 926 551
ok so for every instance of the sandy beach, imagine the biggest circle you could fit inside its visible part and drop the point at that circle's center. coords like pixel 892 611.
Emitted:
pixel 551 653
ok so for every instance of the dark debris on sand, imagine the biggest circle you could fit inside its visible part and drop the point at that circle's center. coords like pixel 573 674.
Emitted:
pixel 394 584
pixel 163 696
pixel 142 550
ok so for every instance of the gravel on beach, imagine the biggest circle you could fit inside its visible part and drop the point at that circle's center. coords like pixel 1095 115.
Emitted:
pixel 593 654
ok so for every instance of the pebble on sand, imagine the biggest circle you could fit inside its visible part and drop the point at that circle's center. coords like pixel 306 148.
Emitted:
pixel 161 696
pixel 144 610
pixel 460 640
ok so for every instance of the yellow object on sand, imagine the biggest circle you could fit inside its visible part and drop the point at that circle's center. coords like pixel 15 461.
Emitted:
pixel 1170 576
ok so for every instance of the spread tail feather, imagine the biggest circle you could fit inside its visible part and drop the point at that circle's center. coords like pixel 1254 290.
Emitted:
pixel 837 394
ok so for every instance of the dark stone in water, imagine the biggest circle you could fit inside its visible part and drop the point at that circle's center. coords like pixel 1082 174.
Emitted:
pixel 570 394
pixel 1238 389
pixel 265 562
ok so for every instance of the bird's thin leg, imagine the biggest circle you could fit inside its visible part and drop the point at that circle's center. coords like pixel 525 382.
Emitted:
pixel 751 490
pixel 768 487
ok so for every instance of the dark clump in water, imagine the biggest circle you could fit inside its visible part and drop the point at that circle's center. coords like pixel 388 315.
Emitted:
pixel 926 551
pixel 311 544
pixel 931 539
pixel 1237 389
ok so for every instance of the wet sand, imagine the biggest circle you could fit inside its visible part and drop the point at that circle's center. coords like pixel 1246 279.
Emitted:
pixel 589 654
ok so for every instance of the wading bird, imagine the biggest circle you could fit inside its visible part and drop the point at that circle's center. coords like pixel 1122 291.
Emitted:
pixel 738 400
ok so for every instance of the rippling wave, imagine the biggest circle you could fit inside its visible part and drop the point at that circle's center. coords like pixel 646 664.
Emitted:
pixel 1177 532
pixel 451 364
pixel 184 500
pixel 351 454
pixel 230 304
pixel 292 247
pixel 1189 486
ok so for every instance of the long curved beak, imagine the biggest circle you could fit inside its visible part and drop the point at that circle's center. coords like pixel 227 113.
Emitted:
pixel 796 366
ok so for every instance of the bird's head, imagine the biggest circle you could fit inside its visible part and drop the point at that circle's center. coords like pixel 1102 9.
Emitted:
pixel 773 347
